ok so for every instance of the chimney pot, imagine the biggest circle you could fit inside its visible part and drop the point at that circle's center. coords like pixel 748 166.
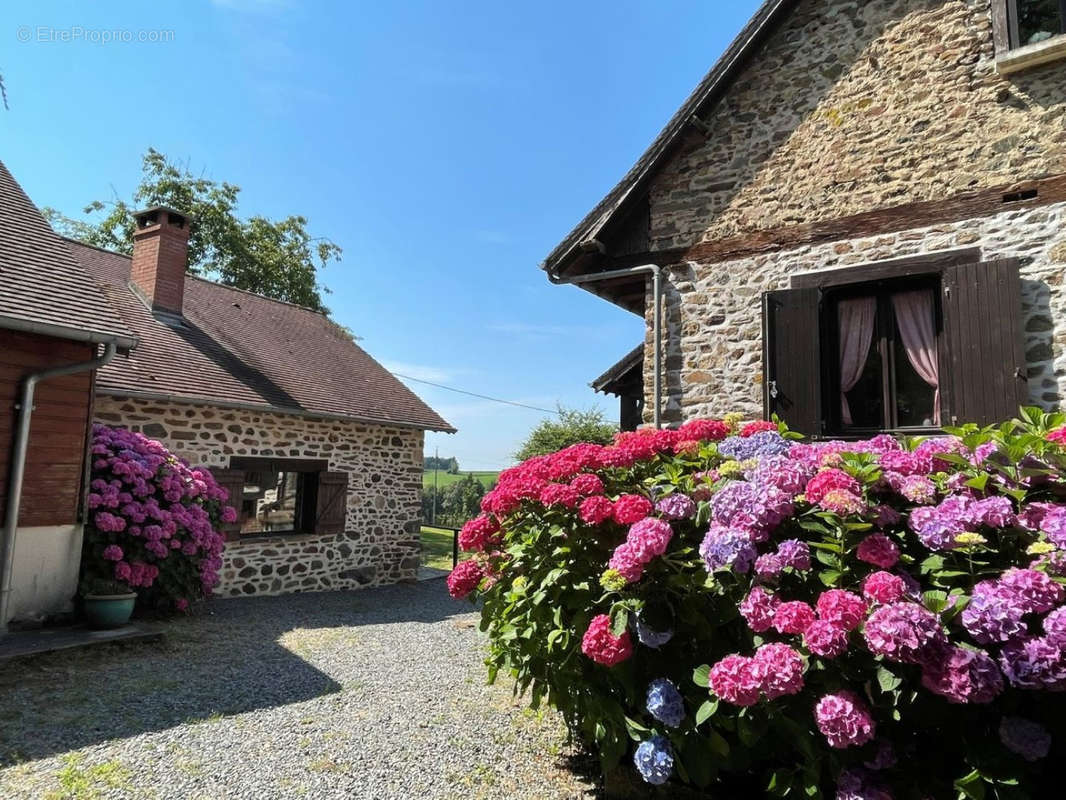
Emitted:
pixel 160 257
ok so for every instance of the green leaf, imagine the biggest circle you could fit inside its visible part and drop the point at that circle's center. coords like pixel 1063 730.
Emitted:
pixel 829 576
pixel 706 711
pixel 979 482
pixel 887 680
pixel 619 621
pixel 718 743
pixel 936 601
pixel 702 675
pixel 971 786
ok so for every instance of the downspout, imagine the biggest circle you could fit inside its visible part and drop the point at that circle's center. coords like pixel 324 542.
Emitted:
pixel 656 315
pixel 18 466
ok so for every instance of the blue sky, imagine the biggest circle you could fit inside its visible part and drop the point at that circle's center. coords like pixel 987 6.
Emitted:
pixel 447 147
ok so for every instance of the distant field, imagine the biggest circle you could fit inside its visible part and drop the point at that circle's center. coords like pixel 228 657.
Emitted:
pixel 446 478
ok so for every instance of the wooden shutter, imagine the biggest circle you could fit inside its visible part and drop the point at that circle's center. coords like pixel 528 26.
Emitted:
pixel 332 507
pixel 232 480
pixel 982 358
pixel 792 373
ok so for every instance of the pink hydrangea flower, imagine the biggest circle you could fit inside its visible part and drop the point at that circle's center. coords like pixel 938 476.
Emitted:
pixel 826 639
pixel 595 509
pixel 793 617
pixel 649 538
pixel 587 484
pixel 828 480
pixel 559 494
pixel 627 563
pixel 478 533
pixel 842 608
pixel 759 426
pixel 842 503
pixel 735 680
pixel 844 720
pixel 631 508
pixel 779 670
pixel 883 588
pixel 464 578
pixel 879 550
pixel 604 647
pixel 758 609
pixel 112 553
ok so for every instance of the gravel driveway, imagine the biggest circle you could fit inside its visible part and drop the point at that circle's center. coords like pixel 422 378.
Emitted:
pixel 372 694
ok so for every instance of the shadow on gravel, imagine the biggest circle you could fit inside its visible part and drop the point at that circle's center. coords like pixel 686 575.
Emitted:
pixel 226 660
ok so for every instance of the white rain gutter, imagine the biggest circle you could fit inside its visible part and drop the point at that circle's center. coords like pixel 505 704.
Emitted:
pixel 18 466
pixel 657 326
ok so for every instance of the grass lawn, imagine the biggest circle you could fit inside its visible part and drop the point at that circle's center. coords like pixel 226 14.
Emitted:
pixel 446 479
pixel 437 548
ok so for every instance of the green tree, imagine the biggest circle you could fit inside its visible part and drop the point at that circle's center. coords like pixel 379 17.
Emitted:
pixel 275 258
pixel 572 426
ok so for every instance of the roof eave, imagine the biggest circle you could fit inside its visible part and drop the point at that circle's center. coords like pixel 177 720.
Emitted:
pixel 63 332
pixel 709 87
pixel 265 407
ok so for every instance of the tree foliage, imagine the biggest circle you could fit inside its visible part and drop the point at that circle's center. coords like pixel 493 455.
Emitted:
pixel 275 258
pixel 456 502
pixel 573 426
pixel 450 465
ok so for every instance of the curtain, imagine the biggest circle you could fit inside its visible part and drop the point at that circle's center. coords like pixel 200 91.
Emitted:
pixel 856 319
pixel 917 326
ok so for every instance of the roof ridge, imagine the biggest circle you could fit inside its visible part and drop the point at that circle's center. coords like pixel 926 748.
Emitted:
pixel 200 278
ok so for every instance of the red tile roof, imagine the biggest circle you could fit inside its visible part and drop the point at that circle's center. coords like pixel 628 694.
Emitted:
pixel 235 347
pixel 40 282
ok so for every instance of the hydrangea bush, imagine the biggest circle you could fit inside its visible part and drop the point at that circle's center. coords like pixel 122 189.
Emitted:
pixel 731 607
pixel 153 522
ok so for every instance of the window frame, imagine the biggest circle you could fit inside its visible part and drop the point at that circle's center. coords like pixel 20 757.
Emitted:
pixel 1011 54
pixel 307 490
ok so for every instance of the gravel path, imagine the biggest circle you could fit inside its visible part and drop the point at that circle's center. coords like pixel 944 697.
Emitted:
pixel 373 694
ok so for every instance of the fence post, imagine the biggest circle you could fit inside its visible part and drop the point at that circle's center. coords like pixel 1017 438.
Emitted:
pixel 455 548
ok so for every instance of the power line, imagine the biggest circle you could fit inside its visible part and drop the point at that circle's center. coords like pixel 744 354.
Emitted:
pixel 475 394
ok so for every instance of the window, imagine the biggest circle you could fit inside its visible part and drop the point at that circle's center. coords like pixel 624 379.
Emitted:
pixel 886 373
pixel 909 345
pixel 1035 21
pixel 284 496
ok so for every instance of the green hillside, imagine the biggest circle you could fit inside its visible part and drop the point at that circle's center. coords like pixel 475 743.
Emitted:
pixel 447 478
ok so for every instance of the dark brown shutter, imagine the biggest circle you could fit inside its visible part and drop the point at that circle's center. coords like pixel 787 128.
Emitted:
pixel 332 508
pixel 792 358
pixel 232 480
pixel 982 360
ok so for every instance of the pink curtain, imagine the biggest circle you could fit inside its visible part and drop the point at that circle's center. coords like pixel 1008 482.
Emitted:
pixel 856 319
pixel 917 326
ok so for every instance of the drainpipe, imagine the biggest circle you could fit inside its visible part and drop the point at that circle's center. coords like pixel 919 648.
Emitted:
pixel 657 325
pixel 18 466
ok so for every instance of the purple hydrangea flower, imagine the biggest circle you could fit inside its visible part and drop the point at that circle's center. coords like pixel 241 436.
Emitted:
pixel 994 614
pixel 648 636
pixel 1036 592
pixel 964 676
pixel 676 506
pixel 758 509
pixel 727 547
pixel 782 472
pixel 860 784
pixel 905 632
pixel 1034 663
pixel 654 760
pixel 796 554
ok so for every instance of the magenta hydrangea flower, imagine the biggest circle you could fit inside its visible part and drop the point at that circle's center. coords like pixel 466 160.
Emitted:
pixel 1036 592
pixel 631 508
pixel 768 566
pixel 779 670
pixel 586 484
pixel 1034 663
pixel 628 564
pixel 112 553
pixel 559 494
pixel 964 676
pixel 595 510
pixel 604 647
pixel 879 550
pixel 649 538
pixel 829 480
pixel 464 578
pixel 844 720
pixel 905 632
pixel 844 609
pixel 758 609
pixel 883 588
pixel 793 617
pixel 735 680
pixel 825 639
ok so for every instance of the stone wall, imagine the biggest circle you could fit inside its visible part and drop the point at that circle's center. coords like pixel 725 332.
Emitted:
pixel 713 312
pixel 380 544
pixel 853 106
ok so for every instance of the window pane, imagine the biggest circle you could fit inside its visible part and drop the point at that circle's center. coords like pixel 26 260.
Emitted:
pixel 1039 20
pixel 866 398
pixel 914 397
pixel 270 502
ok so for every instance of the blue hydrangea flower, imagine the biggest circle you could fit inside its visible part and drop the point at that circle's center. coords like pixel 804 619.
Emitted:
pixel 664 702
pixel 654 760
pixel 651 638
pixel 728 547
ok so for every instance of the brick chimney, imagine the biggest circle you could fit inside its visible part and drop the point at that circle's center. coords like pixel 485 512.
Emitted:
pixel 160 255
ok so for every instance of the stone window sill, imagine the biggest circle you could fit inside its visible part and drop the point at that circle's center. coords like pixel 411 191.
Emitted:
pixel 1033 55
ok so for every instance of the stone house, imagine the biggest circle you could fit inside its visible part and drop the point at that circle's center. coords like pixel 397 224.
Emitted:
pixel 56 328
pixel 857 221
pixel 319 446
